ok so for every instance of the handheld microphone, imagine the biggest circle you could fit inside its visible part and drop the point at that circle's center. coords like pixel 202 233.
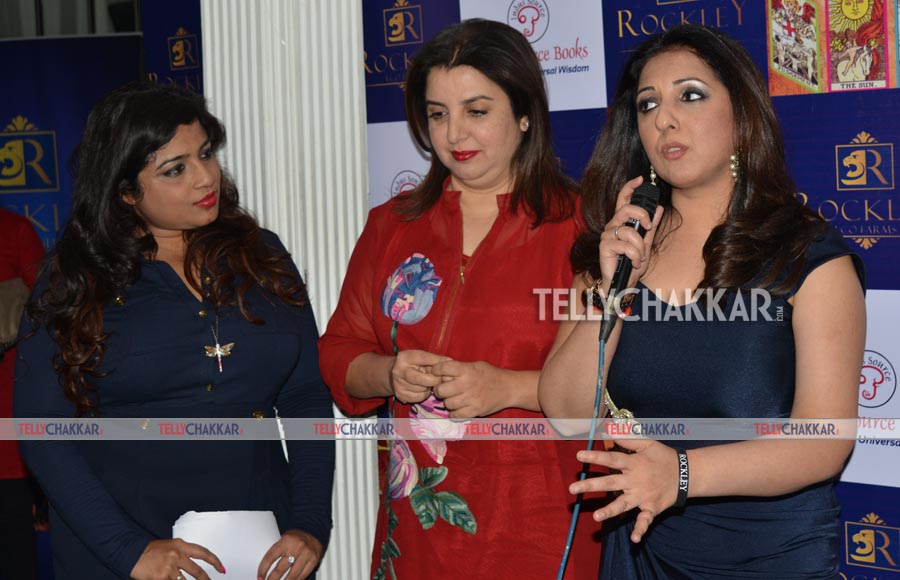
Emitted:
pixel 646 196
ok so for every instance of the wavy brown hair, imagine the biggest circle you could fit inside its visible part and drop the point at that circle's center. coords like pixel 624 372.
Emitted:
pixel 504 56
pixel 100 250
pixel 766 229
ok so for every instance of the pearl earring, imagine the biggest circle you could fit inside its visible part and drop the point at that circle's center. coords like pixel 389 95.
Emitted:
pixel 735 166
pixel 652 176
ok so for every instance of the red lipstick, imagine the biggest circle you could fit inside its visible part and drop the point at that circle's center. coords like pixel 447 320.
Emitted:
pixel 209 200
pixel 464 155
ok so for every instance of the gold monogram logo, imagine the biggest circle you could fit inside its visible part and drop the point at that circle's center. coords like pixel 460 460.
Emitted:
pixel 403 24
pixel 183 49
pixel 865 164
pixel 871 544
pixel 28 160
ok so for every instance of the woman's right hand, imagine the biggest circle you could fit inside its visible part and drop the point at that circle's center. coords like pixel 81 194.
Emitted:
pixel 168 559
pixel 411 377
pixel 628 242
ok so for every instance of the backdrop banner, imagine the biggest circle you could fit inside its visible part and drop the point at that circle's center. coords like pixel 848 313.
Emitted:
pixel 51 85
pixel 831 67
pixel 172 42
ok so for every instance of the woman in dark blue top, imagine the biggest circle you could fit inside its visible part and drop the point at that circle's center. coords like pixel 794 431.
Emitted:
pixel 156 273
pixel 692 112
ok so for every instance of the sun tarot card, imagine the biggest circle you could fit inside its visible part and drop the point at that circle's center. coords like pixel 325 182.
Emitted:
pixel 857 50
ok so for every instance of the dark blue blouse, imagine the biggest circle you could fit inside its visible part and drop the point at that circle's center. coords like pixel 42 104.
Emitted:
pixel 110 498
pixel 740 364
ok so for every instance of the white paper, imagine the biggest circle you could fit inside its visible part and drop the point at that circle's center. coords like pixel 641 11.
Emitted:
pixel 239 538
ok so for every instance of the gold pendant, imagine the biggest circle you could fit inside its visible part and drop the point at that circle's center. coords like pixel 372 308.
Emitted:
pixel 219 352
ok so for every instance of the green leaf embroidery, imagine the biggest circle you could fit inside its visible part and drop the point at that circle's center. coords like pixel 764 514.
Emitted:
pixel 379 573
pixel 455 511
pixel 431 476
pixel 393 521
pixel 390 549
pixel 425 506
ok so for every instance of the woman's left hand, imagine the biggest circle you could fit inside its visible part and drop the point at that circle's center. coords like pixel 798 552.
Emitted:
pixel 648 481
pixel 305 550
pixel 470 389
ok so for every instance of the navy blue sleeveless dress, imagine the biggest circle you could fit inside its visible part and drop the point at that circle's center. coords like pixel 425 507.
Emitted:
pixel 720 368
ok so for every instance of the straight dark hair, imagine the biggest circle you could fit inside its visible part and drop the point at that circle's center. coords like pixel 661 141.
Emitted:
pixel 100 249
pixel 504 56
pixel 766 229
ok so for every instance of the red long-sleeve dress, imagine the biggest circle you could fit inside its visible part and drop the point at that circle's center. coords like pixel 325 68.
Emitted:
pixel 485 309
pixel 20 255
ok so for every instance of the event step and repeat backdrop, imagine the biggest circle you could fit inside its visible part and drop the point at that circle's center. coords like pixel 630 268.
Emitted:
pixel 50 84
pixel 832 72
pixel 53 82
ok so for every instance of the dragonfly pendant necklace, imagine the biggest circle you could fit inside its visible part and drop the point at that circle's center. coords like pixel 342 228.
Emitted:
pixel 218 351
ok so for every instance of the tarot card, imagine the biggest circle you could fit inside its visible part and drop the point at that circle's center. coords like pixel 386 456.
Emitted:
pixel 794 52
pixel 857 49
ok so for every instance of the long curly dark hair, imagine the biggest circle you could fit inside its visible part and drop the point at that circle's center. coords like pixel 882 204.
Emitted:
pixel 503 55
pixel 766 229
pixel 100 249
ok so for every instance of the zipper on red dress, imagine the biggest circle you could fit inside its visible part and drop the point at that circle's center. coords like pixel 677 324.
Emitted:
pixel 459 281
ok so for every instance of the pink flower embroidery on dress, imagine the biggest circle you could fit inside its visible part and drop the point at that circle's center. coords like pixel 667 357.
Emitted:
pixel 404 472
pixel 436 428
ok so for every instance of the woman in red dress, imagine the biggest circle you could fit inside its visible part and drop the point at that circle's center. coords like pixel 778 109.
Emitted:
pixel 441 311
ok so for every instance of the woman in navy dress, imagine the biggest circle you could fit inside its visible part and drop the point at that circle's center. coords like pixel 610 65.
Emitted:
pixel 164 299
pixel 693 109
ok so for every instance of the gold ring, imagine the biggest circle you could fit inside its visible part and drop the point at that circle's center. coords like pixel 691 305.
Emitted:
pixel 616 232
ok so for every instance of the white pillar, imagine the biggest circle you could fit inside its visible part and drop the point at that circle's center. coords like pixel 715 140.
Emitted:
pixel 286 78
